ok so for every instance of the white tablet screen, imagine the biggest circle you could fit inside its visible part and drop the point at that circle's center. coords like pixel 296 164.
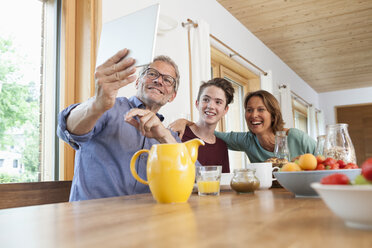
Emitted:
pixel 136 31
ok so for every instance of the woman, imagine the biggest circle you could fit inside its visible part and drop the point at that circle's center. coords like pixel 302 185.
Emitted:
pixel 212 103
pixel 264 118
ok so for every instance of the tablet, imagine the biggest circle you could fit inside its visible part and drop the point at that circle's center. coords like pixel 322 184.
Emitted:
pixel 136 31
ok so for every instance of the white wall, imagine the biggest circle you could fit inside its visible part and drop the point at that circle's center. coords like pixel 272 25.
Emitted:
pixel 328 101
pixel 222 25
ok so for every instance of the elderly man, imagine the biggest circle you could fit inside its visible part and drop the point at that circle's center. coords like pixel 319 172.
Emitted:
pixel 107 130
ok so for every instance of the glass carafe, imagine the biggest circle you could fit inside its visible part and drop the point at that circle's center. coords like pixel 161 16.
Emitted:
pixel 338 144
pixel 319 151
pixel 281 146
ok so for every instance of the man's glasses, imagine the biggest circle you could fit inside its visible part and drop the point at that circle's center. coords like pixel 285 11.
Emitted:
pixel 153 74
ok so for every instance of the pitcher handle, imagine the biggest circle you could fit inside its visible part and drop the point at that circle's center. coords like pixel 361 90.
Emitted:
pixel 133 166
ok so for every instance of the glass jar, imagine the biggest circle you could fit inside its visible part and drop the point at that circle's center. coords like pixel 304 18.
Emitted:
pixel 281 145
pixel 244 181
pixel 338 144
pixel 319 151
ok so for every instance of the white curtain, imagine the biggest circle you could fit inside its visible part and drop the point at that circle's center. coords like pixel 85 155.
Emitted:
pixel 200 59
pixel 311 121
pixel 267 82
pixel 321 123
pixel 286 106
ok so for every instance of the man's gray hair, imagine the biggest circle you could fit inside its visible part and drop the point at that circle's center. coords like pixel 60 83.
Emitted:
pixel 169 61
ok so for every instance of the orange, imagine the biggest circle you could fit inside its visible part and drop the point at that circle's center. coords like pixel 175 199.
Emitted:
pixel 308 161
pixel 291 167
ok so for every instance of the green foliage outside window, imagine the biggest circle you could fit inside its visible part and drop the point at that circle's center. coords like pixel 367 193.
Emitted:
pixel 19 113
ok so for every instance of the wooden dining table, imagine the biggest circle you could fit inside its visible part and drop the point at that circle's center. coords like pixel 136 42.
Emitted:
pixel 267 218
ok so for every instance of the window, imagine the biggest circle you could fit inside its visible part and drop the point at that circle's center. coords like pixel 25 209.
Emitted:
pixel 300 115
pixel 15 163
pixel 1 162
pixel 243 81
pixel 27 90
pixel 57 43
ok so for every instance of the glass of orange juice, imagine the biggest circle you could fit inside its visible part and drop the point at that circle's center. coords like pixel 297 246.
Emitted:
pixel 208 179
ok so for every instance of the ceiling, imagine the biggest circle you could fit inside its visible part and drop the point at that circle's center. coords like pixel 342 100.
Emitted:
pixel 327 43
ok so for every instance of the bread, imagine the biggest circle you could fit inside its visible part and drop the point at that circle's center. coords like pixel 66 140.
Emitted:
pixel 277 161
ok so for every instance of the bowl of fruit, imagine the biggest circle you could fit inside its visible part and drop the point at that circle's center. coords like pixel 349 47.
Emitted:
pixel 351 200
pixel 297 177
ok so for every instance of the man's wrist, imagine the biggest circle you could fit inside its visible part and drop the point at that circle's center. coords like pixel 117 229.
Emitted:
pixel 167 138
pixel 95 108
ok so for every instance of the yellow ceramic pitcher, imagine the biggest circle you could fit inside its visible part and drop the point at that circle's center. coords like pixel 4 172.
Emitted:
pixel 170 170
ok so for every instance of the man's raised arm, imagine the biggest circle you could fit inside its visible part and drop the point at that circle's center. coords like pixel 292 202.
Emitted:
pixel 115 73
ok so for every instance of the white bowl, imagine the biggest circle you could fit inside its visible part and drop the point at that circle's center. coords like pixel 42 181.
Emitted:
pixel 352 203
pixel 298 182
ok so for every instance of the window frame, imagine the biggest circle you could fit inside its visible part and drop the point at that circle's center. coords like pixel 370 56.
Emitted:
pixel 81 26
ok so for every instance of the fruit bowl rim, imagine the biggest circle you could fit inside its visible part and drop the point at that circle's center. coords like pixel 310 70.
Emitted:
pixel 314 171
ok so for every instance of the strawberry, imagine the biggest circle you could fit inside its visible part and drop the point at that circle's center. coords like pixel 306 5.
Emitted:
pixel 336 178
pixel 329 161
pixel 335 166
pixel 320 159
pixel 367 169
pixel 320 167
pixel 341 163
pixel 351 166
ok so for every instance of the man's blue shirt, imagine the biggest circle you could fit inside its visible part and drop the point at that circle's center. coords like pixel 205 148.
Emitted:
pixel 102 159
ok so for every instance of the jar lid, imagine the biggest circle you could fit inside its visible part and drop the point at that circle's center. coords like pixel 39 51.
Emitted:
pixel 244 170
